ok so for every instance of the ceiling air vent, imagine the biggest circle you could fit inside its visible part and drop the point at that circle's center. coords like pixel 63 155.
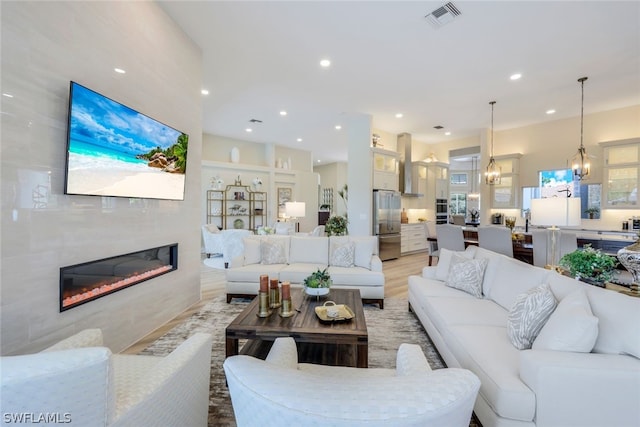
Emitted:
pixel 443 15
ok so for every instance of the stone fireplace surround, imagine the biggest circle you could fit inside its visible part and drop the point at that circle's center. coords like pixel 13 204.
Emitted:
pixel 88 281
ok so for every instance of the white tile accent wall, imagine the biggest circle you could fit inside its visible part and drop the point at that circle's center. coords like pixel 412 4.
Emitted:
pixel 44 46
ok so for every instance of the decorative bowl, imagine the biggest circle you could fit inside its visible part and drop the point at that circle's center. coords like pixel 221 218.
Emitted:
pixel 316 291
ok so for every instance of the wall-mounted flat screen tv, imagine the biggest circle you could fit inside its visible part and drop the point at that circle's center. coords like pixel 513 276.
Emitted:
pixel 113 150
pixel 558 183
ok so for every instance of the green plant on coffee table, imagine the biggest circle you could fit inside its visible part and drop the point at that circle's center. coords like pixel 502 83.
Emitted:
pixel 318 279
pixel 589 263
pixel 336 226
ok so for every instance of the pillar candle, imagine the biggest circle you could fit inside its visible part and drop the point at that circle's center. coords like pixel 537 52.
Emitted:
pixel 274 283
pixel 286 290
pixel 264 283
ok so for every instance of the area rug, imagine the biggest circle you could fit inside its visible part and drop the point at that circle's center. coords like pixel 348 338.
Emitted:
pixel 388 328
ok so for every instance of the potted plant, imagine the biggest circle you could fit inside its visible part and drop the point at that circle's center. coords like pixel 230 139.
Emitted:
pixel 592 211
pixel 336 226
pixel 590 265
pixel 318 283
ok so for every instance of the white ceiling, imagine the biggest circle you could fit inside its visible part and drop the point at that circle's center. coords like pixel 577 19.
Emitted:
pixel 263 57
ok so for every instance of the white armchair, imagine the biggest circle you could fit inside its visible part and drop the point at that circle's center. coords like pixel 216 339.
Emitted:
pixel 81 382
pixel 225 243
pixel 280 391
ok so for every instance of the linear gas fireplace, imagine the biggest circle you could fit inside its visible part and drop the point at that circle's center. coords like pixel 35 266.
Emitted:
pixel 85 282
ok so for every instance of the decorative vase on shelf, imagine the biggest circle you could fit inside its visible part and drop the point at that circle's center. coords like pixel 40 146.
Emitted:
pixel 629 256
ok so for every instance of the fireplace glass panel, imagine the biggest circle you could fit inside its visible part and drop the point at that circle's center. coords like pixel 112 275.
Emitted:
pixel 85 282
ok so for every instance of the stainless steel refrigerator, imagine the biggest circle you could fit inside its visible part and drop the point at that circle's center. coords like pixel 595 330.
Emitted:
pixel 386 222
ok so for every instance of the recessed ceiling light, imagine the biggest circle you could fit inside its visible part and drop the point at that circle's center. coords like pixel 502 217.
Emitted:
pixel 299 139
pixel 283 113
pixel 447 133
pixel 119 70
pixel 8 95
pixel 249 130
pixel 325 63
pixel 204 92
pixel 338 127
pixel 552 111
pixel 399 115
pixel 516 76
pixel 318 160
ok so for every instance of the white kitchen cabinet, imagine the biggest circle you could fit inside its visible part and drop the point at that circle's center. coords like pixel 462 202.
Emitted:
pixel 413 238
pixel 621 174
pixel 505 194
pixel 386 172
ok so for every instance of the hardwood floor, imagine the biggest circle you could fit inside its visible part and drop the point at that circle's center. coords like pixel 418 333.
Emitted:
pixel 213 284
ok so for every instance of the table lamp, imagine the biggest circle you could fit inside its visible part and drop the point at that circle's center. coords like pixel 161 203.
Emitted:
pixel 295 210
pixel 555 212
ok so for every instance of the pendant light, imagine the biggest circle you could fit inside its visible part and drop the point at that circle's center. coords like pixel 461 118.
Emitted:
pixel 473 194
pixel 580 162
pixel 492 174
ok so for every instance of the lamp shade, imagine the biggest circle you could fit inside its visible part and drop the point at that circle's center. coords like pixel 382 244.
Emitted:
pixel 556 211
pixel 295 209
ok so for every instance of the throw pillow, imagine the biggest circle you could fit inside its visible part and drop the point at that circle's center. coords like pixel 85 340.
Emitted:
pixel 466 274
pixel 272 252
pixel 252 253
pixel 364 252
pixel 343 255
pixel 571 327
pixel 444 262
pixel 528 315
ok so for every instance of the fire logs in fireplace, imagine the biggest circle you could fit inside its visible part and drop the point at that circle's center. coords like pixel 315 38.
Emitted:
pixel 85 282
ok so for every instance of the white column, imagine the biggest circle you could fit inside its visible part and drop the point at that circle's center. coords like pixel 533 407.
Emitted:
pixel 359 174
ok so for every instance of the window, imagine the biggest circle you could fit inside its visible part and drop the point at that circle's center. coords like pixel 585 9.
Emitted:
pixel 458 203
pixel 458 178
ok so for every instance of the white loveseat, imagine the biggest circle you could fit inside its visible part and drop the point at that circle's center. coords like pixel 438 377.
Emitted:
pixel 538 386
pixel 279 391
pixel 293 258
pixel 79 382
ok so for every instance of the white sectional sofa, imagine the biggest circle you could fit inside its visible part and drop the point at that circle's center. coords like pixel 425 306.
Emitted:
pixel 351 261
pixel 583 368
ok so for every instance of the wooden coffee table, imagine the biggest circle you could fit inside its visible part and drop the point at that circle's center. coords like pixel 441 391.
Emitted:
pixel 337 343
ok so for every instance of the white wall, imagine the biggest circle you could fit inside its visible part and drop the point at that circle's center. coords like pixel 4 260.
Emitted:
pixel 44 46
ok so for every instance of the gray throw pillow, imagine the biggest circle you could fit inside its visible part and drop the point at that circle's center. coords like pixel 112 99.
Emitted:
pixel 466 274
pixel 528 315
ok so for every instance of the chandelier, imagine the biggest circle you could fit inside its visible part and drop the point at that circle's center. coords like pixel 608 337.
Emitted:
pixel 580 162
pixel 492 174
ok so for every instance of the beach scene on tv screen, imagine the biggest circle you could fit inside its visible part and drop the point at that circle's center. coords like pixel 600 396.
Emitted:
pixel 117 151
pixel 557 183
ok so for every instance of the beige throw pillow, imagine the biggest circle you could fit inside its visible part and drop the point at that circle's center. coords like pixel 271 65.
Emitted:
pixel 343 255
pixel 272 252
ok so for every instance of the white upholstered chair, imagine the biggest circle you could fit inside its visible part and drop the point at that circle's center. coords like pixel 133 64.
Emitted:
pixel 225 243
pixel 496 239
pixel 286 228
pixel 280 391
pixel 458 219
pixel 80 377
pixel 539 238
pixel 450 237
pixel 318 231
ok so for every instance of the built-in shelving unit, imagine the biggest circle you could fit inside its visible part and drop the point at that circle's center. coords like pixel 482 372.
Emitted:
pixel 237 207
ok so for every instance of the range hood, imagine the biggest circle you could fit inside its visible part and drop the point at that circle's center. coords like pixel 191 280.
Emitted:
pixel 408 174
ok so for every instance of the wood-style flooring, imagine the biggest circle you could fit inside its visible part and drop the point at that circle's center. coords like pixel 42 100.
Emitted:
pixel 213 284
